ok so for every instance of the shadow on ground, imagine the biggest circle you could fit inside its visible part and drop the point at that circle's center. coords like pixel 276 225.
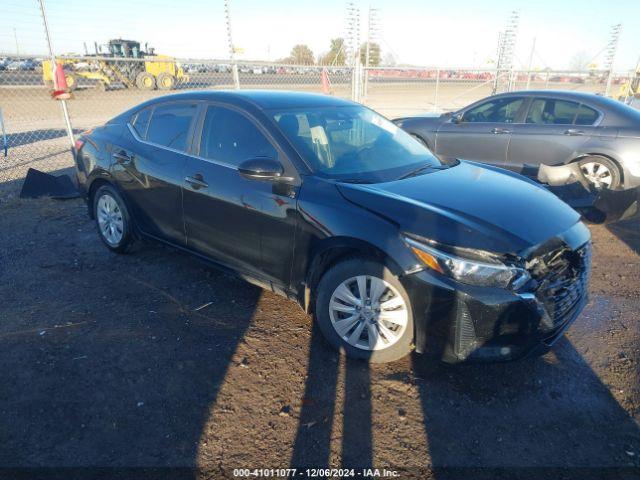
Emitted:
pixel 628 231
pixel 108 361
pixel 117 367
pixel 33 136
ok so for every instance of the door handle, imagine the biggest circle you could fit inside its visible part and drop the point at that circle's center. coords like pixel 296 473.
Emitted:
pixel 500 131
pixel 573 131
pixel 122 157
pixel 196 181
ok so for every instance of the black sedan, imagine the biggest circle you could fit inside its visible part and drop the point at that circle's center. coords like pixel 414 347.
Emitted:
pixel 520 130
pixel 327 203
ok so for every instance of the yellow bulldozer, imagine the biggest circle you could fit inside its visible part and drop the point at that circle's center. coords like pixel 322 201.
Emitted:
pixel 630 89
pixel 124 63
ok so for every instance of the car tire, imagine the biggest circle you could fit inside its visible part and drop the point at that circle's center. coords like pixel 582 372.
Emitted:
pixel 112 219
pixel 378 336
pixel 600 172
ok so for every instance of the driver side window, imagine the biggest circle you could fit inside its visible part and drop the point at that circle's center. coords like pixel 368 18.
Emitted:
pixel 502 110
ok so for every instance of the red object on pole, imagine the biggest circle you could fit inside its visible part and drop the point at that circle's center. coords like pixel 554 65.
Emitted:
pixel 325 82
pixel 60 88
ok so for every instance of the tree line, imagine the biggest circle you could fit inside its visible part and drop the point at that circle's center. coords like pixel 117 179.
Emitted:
pixel 337 55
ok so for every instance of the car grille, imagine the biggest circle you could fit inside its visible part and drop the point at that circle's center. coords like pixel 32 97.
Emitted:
pixel 563 280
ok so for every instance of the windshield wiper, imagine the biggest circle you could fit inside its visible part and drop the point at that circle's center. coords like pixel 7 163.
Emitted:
pixel 354 180
pixel 420 169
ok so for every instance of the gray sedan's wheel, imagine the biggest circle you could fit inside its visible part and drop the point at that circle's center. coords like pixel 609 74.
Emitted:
pixel 364 311
pixel 112 219
pixel 600 172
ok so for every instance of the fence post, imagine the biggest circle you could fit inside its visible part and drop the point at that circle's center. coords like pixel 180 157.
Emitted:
pixel 512 81
pixel 607 89
pixel 365 83
pixel 435 96
pixel 63 103
pixel 356 81
pixel 353 82
pixel 236 76
pixel 496 79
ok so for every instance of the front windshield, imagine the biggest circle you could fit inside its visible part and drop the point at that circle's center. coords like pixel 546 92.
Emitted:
pixel 353 144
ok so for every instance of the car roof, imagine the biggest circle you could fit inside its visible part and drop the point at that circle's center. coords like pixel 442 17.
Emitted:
pixel 263 99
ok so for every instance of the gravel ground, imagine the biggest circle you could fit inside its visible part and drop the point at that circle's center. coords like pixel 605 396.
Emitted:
pixel 152 360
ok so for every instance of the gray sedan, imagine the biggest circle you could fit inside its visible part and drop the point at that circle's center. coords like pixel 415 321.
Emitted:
pixel 526 129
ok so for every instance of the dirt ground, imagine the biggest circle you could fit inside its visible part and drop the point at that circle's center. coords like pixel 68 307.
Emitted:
pixel 153 364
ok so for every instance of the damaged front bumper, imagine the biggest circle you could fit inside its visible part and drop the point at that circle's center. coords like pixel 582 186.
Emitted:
pixel 458 322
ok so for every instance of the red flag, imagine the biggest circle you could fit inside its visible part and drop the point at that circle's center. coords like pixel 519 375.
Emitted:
pixel 325 82
pixel 60 88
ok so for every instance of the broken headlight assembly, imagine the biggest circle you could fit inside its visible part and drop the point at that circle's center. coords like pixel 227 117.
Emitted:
pixel 470 266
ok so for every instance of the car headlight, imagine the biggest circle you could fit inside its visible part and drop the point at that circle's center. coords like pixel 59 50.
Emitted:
pixel 485 270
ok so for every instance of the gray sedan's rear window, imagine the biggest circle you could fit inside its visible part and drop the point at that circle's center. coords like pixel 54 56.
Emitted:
pixel 586 116
pixel 552 112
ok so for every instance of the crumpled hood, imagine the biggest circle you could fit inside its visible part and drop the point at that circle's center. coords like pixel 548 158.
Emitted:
pixel 468 205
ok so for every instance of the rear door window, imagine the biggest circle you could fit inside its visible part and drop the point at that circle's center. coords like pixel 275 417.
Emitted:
pixel 141 122
pixel 549 111
pixel 170 124
pixel 586 116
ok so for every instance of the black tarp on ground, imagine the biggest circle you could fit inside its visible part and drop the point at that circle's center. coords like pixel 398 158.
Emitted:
pixel 39 184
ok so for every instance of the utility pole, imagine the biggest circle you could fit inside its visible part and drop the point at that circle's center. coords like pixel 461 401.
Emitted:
pixel 15 36
pixel 63 103
pixel 533 50
pixel 232 50
pixel 612 49
pixel 506 45
pixel 353 32
pixel 372 29
pixel 353 51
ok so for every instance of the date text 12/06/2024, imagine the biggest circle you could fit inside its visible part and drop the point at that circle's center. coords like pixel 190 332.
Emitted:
pixel 315 473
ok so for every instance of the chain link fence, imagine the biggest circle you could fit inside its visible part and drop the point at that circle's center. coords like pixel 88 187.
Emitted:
pixel 34 128
pixel 102 87
pixel 412 91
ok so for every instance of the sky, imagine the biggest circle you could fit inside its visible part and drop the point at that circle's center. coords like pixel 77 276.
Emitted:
pixel 460 33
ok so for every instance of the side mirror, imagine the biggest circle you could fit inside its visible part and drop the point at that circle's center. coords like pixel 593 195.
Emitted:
pixel 456 118
pixel 261 168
